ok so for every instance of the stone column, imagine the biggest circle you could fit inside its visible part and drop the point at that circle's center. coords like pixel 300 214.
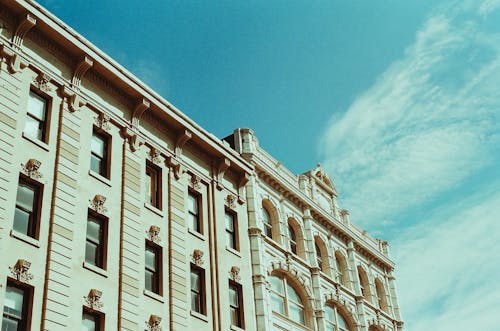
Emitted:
pixel 355 287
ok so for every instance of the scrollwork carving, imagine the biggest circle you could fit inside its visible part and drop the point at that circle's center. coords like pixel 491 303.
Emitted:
pixel 97 204
pixel 93 299
pixel 102 121
pixel 31 168
pixel 21 271
pixel 41 82
pixel 153 324
pixel 197 257
pixel 231 201
pixel 154 234
pixel 234 274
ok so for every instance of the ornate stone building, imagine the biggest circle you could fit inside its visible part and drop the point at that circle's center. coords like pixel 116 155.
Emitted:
pixel 118 212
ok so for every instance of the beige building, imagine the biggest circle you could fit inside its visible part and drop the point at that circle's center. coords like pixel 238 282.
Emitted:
pixel 118 212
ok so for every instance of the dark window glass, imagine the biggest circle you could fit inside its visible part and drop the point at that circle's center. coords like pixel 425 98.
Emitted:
pixel 231 227
pixel 95 246
pixel 293 239
pixel 319 258
pixel 152 273
pixel 36 123
pixel 236 304
pixel 193 207
pixel 99 158
pixel 28 201
pixel 92 321
pixel 16 308
pixel 197 289
pixel 153 185
pixel 266 220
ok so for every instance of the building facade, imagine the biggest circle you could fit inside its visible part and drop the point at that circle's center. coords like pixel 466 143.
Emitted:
pixel 118 212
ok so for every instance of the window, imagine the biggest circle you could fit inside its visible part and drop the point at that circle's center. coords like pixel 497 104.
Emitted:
pixel 153 185
pixel 193 206
pixel 153 267
pixel 340 265
pixel 364 284
pixel 319 258
pixel 36 120
pixel 236 304
pixel 17 307
pixel 92 320
pixel 198 289
pixel 95 246
pixel 382 300
pixel 334 320
pixel 100 152
pixel 266 220
pixel 231 228
pixel 28 207
pixel 293 239
pixel 285 300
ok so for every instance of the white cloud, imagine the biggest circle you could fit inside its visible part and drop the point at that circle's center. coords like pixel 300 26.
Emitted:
pixel 488 7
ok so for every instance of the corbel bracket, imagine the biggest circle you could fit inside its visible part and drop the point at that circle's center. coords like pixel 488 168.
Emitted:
pixel 15 62
pixel 184 136
pixel 85 64
pixel 220 171
pixel 131 136
pixel 75 101
pixel 176 166
pixel 141 107
pixel 241 186
pixel 22 29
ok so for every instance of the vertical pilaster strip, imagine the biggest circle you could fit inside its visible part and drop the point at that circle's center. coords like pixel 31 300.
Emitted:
pixel 353 272
pixel 393 296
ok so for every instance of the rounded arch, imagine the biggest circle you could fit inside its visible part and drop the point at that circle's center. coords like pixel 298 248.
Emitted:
pixel 296 237
pixel 342 273
pixel 364 283
pixel 381 294
pixel 339 316
pixel 322 257
pixel 270 220
pixel 374 327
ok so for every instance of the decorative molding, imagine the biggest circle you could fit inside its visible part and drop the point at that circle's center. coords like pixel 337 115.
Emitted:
pixel 97 204
pixel 83 66
pixel 255 232
pixel 75 101
pixel 31 169
pixel 15 62
pixel 154 234
pixel 197 257
pixel 153 324
pixel 195 182
pixel 289 269
pixel 41 82
pixel 22 29
pixel 102 121
pixel 176 166
pixel 93 299
pixel 21 271
pixel 184 136
pixel 139 110
pixel 241 187
pixel 154 155
pixel 230 201
pixel 220 171
pixel 234 274
pixel 131 136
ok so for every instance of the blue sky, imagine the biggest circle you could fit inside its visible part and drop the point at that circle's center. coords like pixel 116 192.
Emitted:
pixel 399 100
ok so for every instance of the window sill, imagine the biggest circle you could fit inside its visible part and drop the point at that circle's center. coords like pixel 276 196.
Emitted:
pixel 95 269
pixel 37 142
pixel 232 250
pixel 155 210
pixel 154 296
pixel 100 178
pixel 27 239
pixel 236 328
pixel 197 234
pixel 198 315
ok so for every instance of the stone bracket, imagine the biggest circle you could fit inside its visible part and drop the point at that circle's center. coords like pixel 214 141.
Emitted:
pixel 85 64
pixel 220 171
pixel 139 110
pixel 184 136
pixel 22 29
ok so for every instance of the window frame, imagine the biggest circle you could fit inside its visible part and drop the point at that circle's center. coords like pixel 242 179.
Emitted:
pixel 103 246
pixel 287 301
pixel 45 123
pixel 235 242
pixel 155 184
pixel 240 310
pixel 268 223
pixel 319 257
pixel 158 273
pixel 198 216
pixel 105 170
pixel 101 317
pixel 201 292
pixel 33 230
pixel 27 305
pixel 335 322
pixel 293 241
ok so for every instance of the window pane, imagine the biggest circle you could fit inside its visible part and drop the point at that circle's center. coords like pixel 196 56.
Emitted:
pixel 13 303
pixel 91 253
pixel 25 196
pixel 292 295
pixel 192 203
pixel 268 230
pixel 33 128
pixel 195 302
pixel 95 164
pixel 233 296
pixel 88 323
pixel 148 280
pixel 265 216
pixel 148 192
pixel 230 240
pixel 276 284
pixel 329 314
pixel 193 223
pixel 21 221
pixel 195 281
pixel 291 233
pixel 234 316
pixel 296 313
pixel 9 324
pixel 36 106
pixel 341 321
pixel 97 145
pixel 277 303
pixel 94 230
pixel 229 221
pixel 150 259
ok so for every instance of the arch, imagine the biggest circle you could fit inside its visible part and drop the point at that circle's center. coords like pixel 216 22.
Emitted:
pixel 342 273
pixel 322 257
pixel 381 294
pixel 374 327
pixel 364 284
pixel 270 220
pixel 296 237
pixel 338 317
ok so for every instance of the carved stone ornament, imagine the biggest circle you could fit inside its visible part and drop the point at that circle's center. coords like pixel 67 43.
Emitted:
pixel 197 257
pixel 195 182
pixel 154 234
pixel 154 323
pixel 154 155
pixel 98 204
pixel 93 299
pixel 21 271
pixel 231 201
pixel 234 274
pixel 176 166
pixel 102 121
pixel 41 82
pixel 31 168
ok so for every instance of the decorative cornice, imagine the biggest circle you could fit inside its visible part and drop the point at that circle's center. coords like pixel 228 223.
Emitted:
pixel 131 136
pixel 222 166
pixel 139 110
pixel 83 66
pixel 183 137
pixel 241 187
pixel 176 166
pixel 75 101
pixel 22 29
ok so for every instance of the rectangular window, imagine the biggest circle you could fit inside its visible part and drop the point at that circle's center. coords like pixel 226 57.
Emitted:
pixel 236 304
pixel 153 267
pixel 95 246
pixel 92 320
pixel 153 185
pixel 28 207
pixel 198 289
pixel 231 230
pixel 194 215
pixel 17 307
pixel 36 120
pixel 100 153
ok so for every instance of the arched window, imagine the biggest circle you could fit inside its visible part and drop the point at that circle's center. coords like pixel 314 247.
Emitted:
pixel 267 222
pixel 379 287
pixel 364 284
pixel 341 269
pixel 293 238
pixel 319 258
pixel 286 301
pixel 296 238
pixel 321 255
pixel 334 319
pixel 270 220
